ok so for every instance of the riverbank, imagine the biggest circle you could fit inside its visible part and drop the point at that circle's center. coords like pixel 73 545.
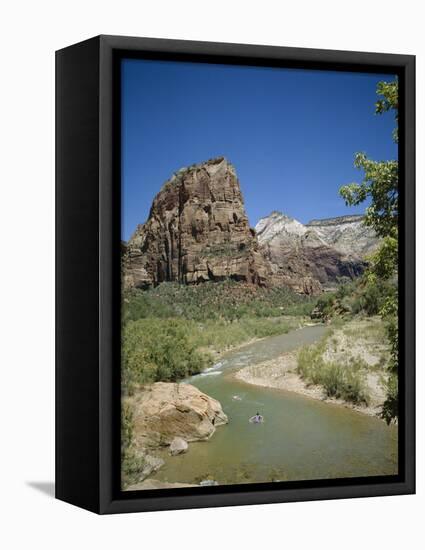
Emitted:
pixel 359 346
pixel 153 425
pixel 300 439
pixel 160 416
pixel 175 331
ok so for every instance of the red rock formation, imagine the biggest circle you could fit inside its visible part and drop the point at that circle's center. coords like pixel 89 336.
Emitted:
pixel 197 231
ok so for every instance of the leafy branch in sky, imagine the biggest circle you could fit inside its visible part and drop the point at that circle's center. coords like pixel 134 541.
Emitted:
pixel 380 184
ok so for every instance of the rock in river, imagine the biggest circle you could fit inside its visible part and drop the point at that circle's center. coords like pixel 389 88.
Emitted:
pixel 178 446
pixel 164 411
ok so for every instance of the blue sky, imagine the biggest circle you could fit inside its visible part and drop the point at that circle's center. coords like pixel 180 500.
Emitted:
pixel 291 134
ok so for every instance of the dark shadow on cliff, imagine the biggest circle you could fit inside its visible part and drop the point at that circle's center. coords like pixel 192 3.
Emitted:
pixel 46 487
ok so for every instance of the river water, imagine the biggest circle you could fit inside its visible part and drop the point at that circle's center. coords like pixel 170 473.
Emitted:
pixel 300 439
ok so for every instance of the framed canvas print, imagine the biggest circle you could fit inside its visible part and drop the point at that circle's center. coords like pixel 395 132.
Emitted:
pixel 235 274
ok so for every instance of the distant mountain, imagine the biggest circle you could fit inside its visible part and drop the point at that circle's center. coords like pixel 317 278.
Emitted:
pixel 348 234
pixel 314 256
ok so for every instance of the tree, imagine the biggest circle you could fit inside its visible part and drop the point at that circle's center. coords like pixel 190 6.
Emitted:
pixel 380 185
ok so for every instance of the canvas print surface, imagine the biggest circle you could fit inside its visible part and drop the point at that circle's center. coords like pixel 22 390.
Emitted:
pixel 259 275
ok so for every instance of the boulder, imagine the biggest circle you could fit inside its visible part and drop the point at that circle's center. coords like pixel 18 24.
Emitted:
pixel 164 411
pixel 178 446
pixel 208 483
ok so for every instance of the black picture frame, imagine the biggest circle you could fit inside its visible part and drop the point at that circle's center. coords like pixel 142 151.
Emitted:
pixel 88 274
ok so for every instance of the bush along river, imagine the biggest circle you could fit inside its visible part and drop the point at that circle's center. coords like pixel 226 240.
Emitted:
pixel 300 438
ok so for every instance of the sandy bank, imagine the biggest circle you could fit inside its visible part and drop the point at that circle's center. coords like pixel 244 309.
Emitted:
pixel 279 374
pixel 358 338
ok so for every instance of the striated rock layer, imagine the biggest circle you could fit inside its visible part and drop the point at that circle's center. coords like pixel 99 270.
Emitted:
pixel 347 234
pixel 197 231
pixel 311 257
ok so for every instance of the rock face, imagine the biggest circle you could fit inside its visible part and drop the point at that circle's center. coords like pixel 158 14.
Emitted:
pixel 311 257
pixel 347 234
pixel 164 411
pixel 151 464
pixel 197 231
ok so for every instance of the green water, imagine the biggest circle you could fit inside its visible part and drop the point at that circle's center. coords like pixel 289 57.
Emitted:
pixel 300 439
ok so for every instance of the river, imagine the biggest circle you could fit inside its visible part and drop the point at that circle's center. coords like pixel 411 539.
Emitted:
pixel 300 439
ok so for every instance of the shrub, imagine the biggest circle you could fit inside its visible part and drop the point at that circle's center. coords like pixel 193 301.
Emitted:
pixel 157 349
pixel 127 426
pixel 390 407
pixel 365 295
pixel 342 381
pixel 132 463
pixel 168 330
pixel 228 300
pixel 354 387
pixel 326 304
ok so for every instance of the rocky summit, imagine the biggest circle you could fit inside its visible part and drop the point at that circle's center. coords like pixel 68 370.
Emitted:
pixel 197 231
pixel 314 256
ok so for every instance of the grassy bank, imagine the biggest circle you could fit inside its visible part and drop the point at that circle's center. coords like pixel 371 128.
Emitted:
pixel 350 362
pixel 174 331
pixel 373 294
pixel 340 381
pixel 226 300
pixel 347 366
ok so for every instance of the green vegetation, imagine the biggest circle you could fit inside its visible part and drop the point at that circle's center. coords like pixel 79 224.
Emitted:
pixel 170 332
pixel 380 186
pixel 158 349
pixel 375 293
pixel 131 462
pixel 355 297
pixel 342 381
pixel 227 300
pixel 223 250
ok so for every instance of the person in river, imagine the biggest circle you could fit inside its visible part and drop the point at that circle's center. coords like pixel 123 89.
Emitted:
pixel 256 418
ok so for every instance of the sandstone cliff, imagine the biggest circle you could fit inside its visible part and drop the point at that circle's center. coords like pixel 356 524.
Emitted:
pixel 197 231
pixel 311 257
